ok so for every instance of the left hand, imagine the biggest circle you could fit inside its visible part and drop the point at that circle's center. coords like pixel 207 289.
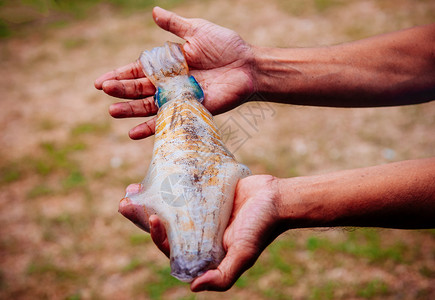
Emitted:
pixel 219 59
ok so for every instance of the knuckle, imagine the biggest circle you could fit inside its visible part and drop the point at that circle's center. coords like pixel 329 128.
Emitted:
pixel 140 88
pixel 136 89
pixel 122 89
pixel 116 74
pixel 131 109
pixel 135 72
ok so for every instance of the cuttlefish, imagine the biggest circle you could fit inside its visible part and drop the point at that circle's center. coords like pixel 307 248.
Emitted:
pixel 192 176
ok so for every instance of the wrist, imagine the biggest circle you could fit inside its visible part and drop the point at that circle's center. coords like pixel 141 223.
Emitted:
pixel 285 74
pixel 265 73
pixel 270 72
pixel 303 76
pixel 303 202
pixel 290 203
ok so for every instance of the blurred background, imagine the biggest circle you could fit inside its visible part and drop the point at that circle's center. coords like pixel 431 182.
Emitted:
pixel 64 163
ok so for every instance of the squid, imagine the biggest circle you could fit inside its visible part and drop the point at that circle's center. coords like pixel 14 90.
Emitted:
pixel 191 181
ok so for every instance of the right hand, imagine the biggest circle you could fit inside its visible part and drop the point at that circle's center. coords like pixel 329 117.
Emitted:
pixel 220 60
pixel 253 225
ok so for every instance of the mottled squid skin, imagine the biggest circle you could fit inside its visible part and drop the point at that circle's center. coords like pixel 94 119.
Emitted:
pixel 192 177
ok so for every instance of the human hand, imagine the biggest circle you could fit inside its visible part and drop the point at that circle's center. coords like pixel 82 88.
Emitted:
pixel 219 59
pixel 253 225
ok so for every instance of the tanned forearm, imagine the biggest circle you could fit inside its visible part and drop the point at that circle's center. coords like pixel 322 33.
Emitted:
pixel 391 69
pixel 396 195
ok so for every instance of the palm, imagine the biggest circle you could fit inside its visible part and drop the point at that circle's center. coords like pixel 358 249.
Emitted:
pixel 218 58
pixel 253 222
pixel 253 226
pixel 253 211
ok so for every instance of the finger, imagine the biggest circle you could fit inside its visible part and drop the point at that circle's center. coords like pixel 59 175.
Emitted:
pixel 135 108
pixel 172 22
pixel 143 130
pixel 226 274
pixel 129 89
pixel 158 234
pixel 130 71
pixel 135 213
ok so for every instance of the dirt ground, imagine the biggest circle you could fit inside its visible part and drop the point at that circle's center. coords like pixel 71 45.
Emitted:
pixel 64 163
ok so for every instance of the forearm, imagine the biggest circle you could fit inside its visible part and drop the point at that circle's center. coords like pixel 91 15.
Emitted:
pixel 391 69
pixel 396 195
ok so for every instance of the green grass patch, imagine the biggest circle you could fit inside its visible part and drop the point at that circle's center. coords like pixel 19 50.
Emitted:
pixel 374 288
pixel 367 243
pixel 242 282
pixel 162 282
pixel 278 258
pixel 323 5
pixel 39 190
pixel 277 251
pixel 56 158
pixel 363 243
pixel 134 264
pixel 4 29
pixel 75 179
pixel 44 267
pixel 324 291
pixel 10 172
pixel 73 224
pixel 139 239
pixel 90 128
pixel 257 271
pixel 313 243
pixel 74 296
pixel 43 166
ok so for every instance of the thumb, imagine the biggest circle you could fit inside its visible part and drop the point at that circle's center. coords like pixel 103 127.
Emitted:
pixel 230 269
pixel 171 22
